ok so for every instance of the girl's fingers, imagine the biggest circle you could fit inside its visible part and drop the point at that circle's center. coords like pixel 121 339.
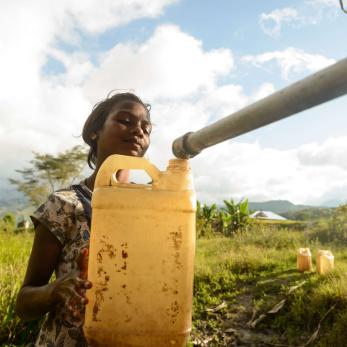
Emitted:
pixel 72 297
pixel 75 306
pixel 82 263
pixel 78 296
pixel 72 294
pixel 82 283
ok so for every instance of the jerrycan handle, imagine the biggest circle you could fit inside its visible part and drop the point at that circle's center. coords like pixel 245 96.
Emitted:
pixel 117 162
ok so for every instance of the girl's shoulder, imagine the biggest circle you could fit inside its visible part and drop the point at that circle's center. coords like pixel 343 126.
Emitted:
pixel 66 198
pixel 60 213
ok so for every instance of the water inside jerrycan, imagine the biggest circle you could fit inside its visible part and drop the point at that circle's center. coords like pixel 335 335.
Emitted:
pixel 141 256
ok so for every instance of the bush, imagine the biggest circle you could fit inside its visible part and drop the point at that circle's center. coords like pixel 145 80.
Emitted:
pixel 206 217
pixel 235 216
pixel 8 222
pixel 333 229
pixel 210 220
pixel 282 224
pixel 14 253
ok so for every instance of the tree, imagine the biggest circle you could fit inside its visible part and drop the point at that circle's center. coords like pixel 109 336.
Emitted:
pixel 48 173
pixel 8 222
pixel 206 217
pixel 234 215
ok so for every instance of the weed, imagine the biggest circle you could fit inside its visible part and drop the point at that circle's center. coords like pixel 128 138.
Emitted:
pixel 237 279
pixel 14 253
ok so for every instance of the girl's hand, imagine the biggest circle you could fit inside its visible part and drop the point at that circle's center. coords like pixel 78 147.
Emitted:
pixel 70 289
pixel 82 263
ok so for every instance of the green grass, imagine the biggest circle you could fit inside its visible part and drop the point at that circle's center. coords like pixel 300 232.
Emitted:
pixel 248 272
pixel 260 265
pixel 14 253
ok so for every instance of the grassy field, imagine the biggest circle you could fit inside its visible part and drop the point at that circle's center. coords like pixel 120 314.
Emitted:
pixel 14 253
pixel 240 279
pixel 247 291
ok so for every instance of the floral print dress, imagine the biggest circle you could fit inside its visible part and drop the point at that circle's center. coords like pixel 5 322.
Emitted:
pixel 64 215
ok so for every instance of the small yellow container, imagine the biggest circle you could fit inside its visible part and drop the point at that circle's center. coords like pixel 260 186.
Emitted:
pixel 141 257
pixel 304 260
pixel 325 261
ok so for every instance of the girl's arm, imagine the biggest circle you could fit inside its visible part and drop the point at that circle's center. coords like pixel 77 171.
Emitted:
pixel 36 296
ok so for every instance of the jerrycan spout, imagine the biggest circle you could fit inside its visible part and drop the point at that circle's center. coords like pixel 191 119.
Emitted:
pixel 177 176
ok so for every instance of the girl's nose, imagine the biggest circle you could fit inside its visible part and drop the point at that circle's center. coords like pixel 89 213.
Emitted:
pixel 137 129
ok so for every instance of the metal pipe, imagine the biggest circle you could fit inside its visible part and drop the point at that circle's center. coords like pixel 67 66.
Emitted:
pixel 342 7
pixel 313 90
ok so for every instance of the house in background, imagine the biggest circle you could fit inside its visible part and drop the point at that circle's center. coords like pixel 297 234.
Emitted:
pixel 268 215
pixel 24 224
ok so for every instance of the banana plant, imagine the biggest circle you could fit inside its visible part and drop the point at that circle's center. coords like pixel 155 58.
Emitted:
pixel 234 215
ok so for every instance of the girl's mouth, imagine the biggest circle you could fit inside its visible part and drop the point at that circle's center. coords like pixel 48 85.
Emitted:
pixel 134 144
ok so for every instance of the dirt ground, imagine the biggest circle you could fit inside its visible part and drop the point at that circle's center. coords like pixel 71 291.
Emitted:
pixel 237 323
pixel 234 327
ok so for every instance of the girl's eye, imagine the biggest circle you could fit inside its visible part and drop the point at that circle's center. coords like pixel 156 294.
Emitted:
pixel 124 121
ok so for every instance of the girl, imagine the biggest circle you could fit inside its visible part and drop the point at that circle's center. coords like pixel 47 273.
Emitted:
pixel 118 125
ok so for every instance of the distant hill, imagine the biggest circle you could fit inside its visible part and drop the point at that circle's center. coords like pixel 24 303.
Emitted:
pixel 277 206
pixel 309 214
pixel 12 201
pixel 291 211
pixel 334 202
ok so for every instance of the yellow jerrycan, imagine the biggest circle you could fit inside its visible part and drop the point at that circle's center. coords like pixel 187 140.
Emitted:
pixel 325 261
pixel 141 256
pixel 304 260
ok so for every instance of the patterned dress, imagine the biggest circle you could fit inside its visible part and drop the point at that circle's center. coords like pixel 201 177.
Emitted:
pixel 64 214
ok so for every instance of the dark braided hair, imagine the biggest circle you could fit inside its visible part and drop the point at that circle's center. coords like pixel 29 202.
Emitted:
pixel 97 118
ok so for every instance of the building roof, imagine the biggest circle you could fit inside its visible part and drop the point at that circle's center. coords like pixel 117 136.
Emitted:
pixel 267 215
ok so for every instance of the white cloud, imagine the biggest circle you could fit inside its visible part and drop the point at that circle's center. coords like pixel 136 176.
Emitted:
pixel 271 23
pixel 175 117
pixel 325 3
pixel 309 12
pixel 51 123
pixel 29 33
pixel 264 90
pixel 238 170
pixel 44 113
pixel 172 70
pixel 167 69
pixel 171 64
pixel 333 152
pixel 290 61
pixel 98 16
pixel 77 67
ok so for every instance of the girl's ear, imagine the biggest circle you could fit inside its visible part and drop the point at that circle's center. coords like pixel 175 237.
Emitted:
pixel 94 136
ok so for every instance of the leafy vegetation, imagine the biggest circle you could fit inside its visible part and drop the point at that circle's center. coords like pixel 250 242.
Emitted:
pixel 8 222
pixel 332 229
pixel 259 270
pixel 226 220
pixel 14 253
pixel 48 173
pixel 241 278
pixel 247 290
pixel 235 216
pixel 309 214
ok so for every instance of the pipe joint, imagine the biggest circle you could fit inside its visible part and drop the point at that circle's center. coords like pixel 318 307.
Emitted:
pixel 181 148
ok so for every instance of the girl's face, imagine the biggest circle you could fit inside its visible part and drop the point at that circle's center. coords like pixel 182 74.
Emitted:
pixel 126 131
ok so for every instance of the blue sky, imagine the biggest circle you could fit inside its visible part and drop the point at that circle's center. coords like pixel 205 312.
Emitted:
pixel 195 62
